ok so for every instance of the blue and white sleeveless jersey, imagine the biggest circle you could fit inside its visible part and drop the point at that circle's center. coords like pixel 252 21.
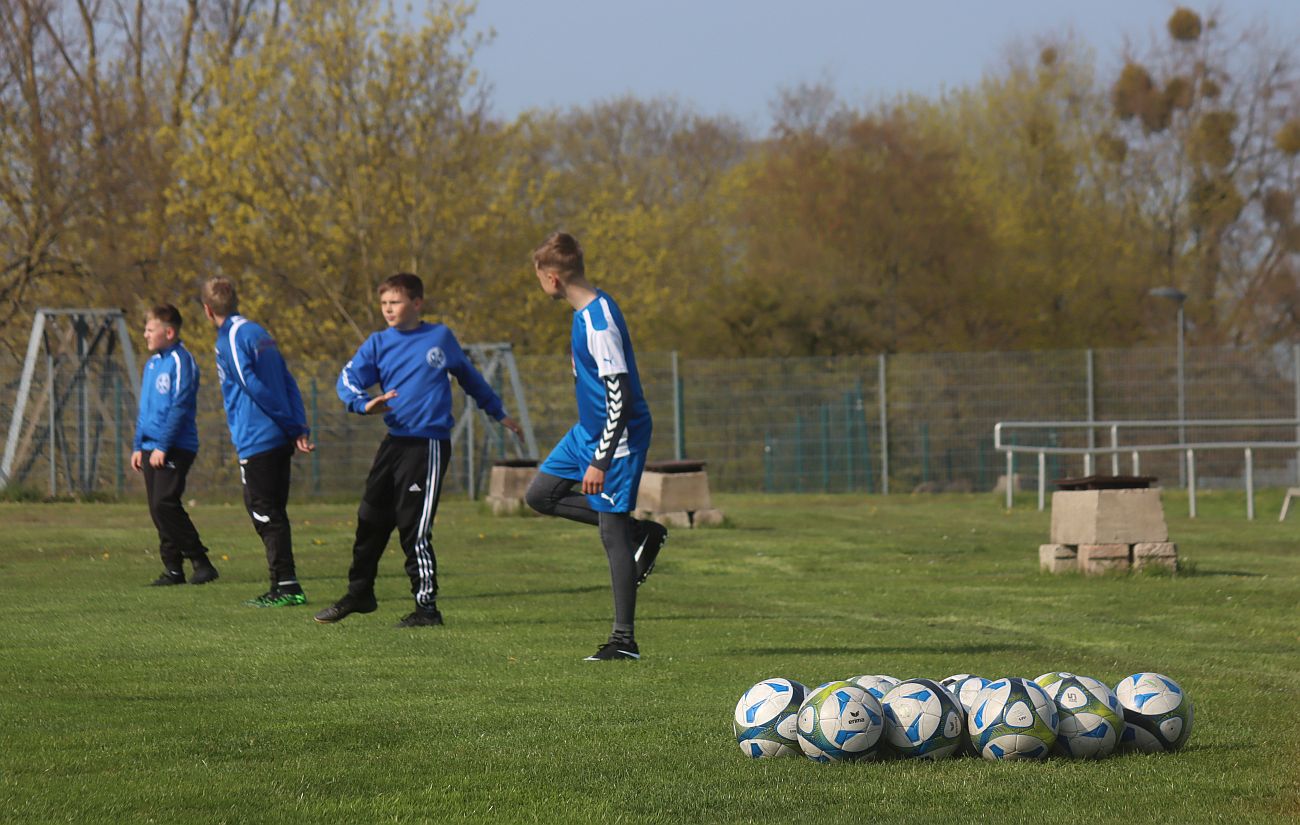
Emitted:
pixel 169 389
pixel 601 347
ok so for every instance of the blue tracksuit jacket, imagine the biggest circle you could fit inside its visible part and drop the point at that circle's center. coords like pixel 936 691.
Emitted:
pixel 417 363
pixel 263 405
pixel 169 389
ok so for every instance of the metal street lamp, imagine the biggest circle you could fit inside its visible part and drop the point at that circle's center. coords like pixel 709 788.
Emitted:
pixel 1179 297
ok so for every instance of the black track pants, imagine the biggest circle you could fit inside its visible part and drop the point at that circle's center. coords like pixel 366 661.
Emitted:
pixel 401 492
pixel 266 478
pixel 165 486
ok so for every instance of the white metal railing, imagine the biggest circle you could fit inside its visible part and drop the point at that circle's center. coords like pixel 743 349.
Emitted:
pixel 1114 449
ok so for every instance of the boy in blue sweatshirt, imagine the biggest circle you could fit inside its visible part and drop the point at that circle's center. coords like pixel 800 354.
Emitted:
pixel 412 362
pixel 267 423
pixel 165 429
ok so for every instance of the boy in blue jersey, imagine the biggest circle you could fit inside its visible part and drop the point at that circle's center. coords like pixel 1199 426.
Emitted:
pixel 412 362
pixel 166 430
pixel 267 423
pixel 605 451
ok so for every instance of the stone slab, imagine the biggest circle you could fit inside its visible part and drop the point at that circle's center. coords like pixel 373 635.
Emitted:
pixel 674 492
pixel 1095 559
pixel 1155 554
pixel 1107 517
pixel 1058 558
pixel 680 518
pixel 706 518
pixel 510 482
pixel 502 506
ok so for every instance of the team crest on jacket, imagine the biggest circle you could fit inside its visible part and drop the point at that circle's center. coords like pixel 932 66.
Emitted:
pixel 436 358
pixel 163 383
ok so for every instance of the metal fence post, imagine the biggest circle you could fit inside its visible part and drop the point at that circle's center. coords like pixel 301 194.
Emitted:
pixel 798 453
pixel 117 433
pixel 1191 483
pixel 1092 397
pixel 826 448
pixel 679 412
pixel 849 418
pixel 315 456
pixel 1250 485
pixel 883 392
pixel 1295 380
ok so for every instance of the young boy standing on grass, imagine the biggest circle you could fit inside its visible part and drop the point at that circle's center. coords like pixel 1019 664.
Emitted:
pixel 412 362
pixel 605 451
pixel 165 429
pixel 267 422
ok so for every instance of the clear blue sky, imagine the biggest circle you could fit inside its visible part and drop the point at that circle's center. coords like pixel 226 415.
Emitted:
pixel 732 56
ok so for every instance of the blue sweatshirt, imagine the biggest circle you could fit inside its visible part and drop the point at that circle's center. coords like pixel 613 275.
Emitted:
pixel 417 363
pixel 169 389
pixel 263 405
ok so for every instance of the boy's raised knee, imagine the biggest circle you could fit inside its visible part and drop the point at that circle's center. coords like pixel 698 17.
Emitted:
pixel 538 496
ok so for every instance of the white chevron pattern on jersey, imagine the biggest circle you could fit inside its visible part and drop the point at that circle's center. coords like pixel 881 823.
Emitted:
pixel 613 412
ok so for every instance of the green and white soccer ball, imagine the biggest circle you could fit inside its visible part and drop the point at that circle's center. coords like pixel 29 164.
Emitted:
pixel 922 720
pixel 1091 720
pixel 766 717
pixel 877 685
pixel 840 721
pixel 1157 713
pixel 1013 718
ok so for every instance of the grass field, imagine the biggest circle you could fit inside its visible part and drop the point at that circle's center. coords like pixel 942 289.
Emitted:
pixel 123 703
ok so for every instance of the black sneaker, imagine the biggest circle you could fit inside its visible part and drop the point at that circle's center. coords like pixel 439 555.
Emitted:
pixel 168 579
pixel 203 573
pixel 421 618
pixel 656 536
pixel 346 606
pixel 613 651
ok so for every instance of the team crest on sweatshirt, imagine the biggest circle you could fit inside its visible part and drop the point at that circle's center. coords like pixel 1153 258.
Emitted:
pixel 163 383
pixel 436 358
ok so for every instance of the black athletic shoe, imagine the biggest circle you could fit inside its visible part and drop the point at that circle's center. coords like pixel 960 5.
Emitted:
pixel 421 618
pixel 656 536
pixel 203 573
pixel 613 651
pixel 168 579
pixel 346 606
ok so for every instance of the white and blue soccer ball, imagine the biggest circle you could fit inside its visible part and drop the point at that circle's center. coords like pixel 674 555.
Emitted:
pixel 1090 721
pixel 922 720
pixel 1157 713
pixel 840 721
pixel 877 685
pixel 1013 718
pixel 766 718
pixel 965 687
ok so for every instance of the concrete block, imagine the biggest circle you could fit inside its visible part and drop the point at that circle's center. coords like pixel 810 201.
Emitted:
pixel 510 482
pixel 674 492
pixel 1108 517
pixel 706 518
pixel 1058 558
pixel 502 506
pixel 1155 554
pixel 1001 486
pixel 679 518
pixel 1095 559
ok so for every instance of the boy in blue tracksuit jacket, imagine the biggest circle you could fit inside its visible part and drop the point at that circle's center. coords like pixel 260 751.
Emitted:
pixel 412 362
pixel 165 429
pixel 267 423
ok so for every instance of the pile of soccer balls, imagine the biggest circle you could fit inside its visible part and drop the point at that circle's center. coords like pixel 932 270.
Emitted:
pixel 871 717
